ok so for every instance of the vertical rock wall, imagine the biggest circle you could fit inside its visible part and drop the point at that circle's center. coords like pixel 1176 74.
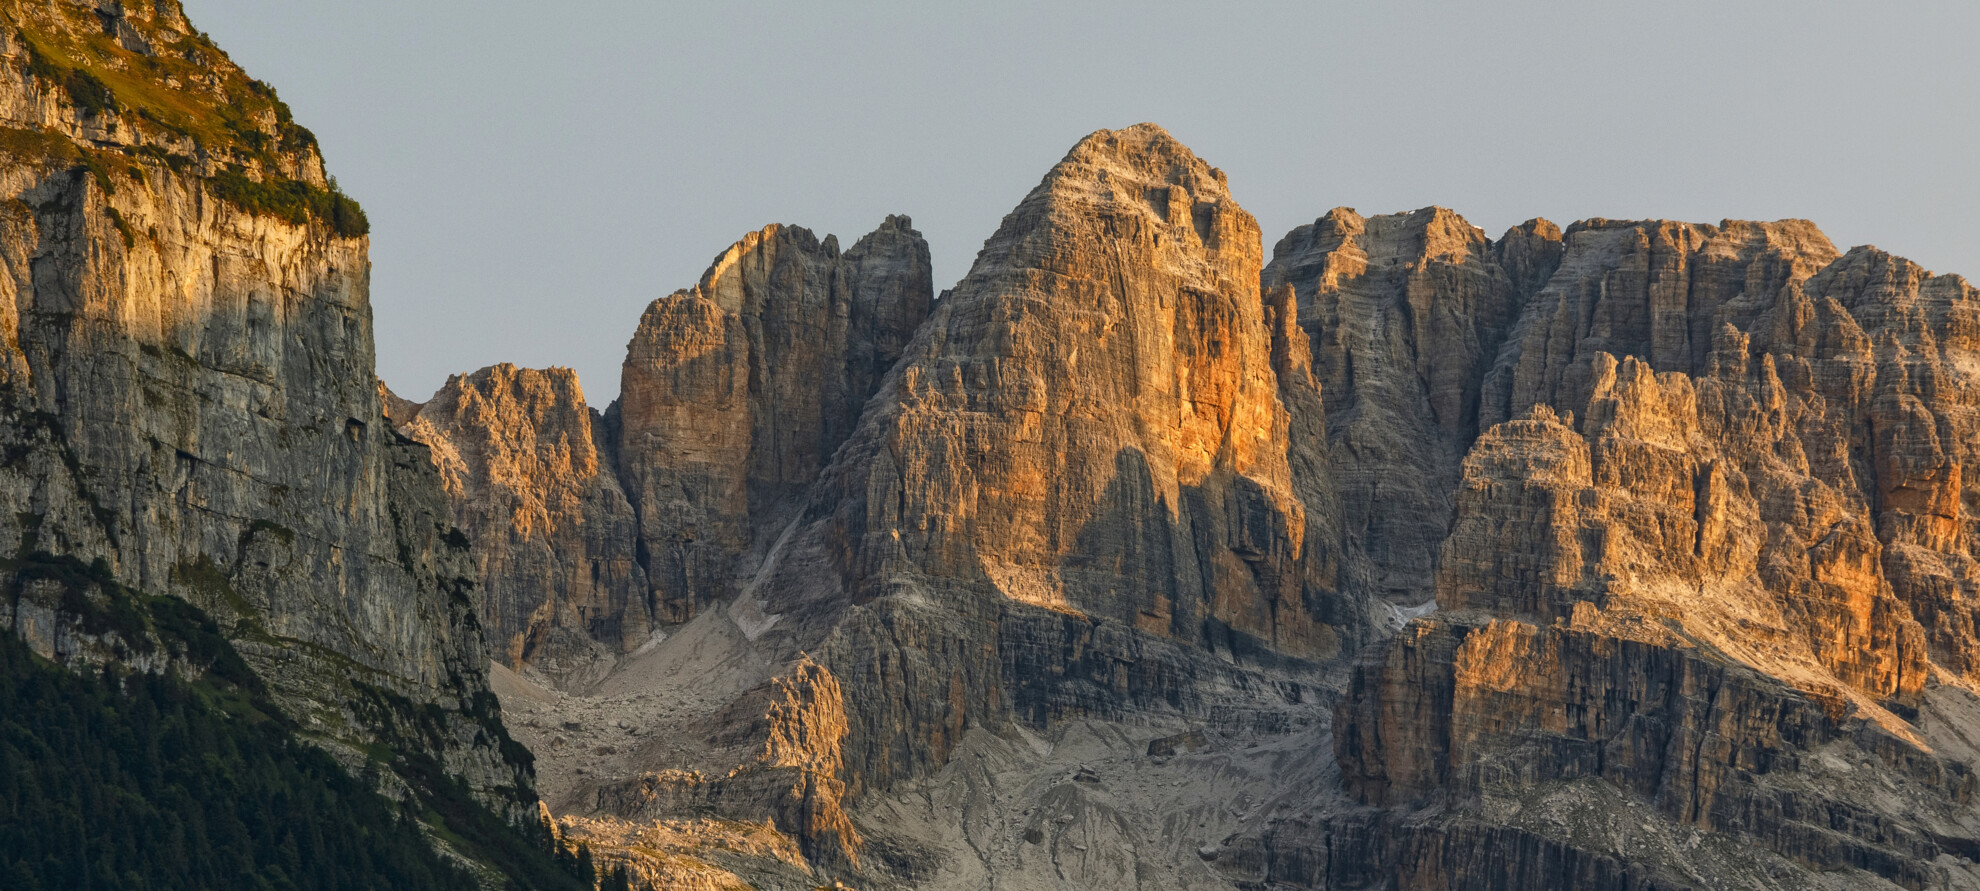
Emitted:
pixel 186 381
pixel 528 470
pixel 736 392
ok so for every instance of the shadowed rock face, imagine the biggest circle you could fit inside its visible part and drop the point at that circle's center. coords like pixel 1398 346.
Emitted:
pixel 593 532
pixel 1404 312
pixel 187 394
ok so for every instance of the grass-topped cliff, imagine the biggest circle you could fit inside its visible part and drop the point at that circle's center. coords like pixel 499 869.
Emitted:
pixel 137 82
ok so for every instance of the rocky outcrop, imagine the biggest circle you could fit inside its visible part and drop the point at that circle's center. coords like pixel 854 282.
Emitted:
pixel 1701 581
pixel 786 740
pixel 1078 484
pixel 188 402
pixel 527 471
pixel 736 392
pixel 1404 313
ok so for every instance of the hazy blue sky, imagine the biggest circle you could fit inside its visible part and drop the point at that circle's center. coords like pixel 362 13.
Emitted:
pixel 537 172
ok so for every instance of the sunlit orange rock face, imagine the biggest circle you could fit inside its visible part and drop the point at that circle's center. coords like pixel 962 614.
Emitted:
pixel 1091 420
pixel 1080 479
pixel 1632 555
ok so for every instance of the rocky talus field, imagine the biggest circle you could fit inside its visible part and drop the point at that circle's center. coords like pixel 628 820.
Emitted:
pixel 1622 555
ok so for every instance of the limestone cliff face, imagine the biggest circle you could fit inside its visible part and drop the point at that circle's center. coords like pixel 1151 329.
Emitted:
pixel 527 472
pixel 1078 483
pixel 1404 312
pixel 1708 560
pixel 736 392
pixel 186 382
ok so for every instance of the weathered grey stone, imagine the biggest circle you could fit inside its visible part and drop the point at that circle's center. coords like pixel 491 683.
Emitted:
pixel 187 394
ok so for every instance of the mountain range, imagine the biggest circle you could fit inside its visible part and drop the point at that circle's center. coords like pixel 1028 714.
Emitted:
pixel 1630 554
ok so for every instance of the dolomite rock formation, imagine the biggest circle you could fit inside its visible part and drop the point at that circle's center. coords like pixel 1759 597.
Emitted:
pixel 592 532
pixel 528 468
pixel 1635 555
pixel 1083 451
pixel 187 397
pixel 1093 486
pixel 1404 312
pixel 1704 584
pixel 736 392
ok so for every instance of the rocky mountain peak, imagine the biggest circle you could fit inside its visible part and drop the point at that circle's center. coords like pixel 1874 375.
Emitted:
pixel 1133 190
pixel 532 427
pixel 1149 152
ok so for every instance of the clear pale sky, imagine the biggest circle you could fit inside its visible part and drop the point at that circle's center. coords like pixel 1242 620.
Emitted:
pixel 536 173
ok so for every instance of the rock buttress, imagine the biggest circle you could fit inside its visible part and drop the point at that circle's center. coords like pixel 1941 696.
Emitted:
pixel 1703 590
pixel 187 382
pixel 736 392
pixel 553 536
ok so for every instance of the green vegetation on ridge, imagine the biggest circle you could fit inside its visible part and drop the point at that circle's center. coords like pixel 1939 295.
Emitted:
pixel 292 200
pixel 186 89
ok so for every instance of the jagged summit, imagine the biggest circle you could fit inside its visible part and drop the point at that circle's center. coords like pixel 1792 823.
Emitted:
pixel 1650 509
pixel 594 530
pixel 1145 148
pixel 1141 183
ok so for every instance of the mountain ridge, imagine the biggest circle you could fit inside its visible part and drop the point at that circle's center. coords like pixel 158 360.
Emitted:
pixel 1485 466
pixel 1631 554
